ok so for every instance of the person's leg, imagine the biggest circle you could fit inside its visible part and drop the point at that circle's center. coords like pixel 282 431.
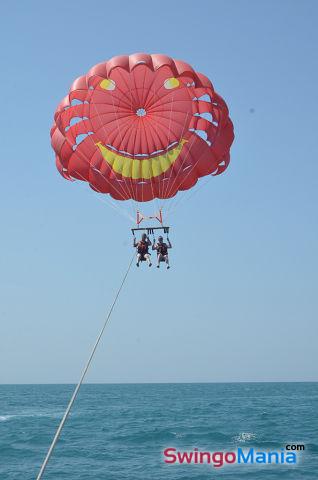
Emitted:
pixel 138 259
pixel 158 260
pixel 147 257
pixel 167 260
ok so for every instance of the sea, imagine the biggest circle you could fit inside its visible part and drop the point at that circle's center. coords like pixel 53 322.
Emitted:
pixel 121 431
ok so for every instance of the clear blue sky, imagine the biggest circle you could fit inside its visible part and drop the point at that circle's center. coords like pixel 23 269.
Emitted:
pixel 245 309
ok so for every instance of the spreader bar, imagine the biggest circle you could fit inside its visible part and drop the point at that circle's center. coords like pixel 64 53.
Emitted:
pixel 150 230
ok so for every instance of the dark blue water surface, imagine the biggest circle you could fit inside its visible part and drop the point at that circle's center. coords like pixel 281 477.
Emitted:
pixel 119 432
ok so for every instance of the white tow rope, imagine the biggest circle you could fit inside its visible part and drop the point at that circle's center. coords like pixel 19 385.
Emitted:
pixel 67 411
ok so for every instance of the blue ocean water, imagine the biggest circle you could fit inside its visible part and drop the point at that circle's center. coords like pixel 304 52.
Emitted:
pixel 119 432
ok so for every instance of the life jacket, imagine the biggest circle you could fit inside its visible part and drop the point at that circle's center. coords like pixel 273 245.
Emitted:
pixel 142 247
pixel 162 248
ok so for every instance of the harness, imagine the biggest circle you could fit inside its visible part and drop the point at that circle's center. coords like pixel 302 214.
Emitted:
pixel 142 247
pixel 162 248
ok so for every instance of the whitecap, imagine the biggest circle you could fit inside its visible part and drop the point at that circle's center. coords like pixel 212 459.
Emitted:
pixel 4 418
pixel 244 437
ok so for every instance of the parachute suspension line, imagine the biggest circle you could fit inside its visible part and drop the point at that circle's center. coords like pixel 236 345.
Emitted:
pixel 191 192
pixel 168 191
pixel 107 202
pixel 177 201
pixel 154 194
pixel 178 192
pixel 185 196
pixel 180 170
pixel 158 208
pixel 72 400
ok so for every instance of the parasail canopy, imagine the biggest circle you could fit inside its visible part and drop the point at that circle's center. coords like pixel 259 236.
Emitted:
pixel 141 127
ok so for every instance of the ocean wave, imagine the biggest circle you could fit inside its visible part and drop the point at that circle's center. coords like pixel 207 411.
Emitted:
pixel 127 437
pixel 178 434
pixel 5 418
pixel 244 437
pixel 164 435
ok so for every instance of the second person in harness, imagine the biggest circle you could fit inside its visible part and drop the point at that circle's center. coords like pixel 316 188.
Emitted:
pixel 162 251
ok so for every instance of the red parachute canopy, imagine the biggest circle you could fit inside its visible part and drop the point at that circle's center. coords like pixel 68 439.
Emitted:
pixel 141 127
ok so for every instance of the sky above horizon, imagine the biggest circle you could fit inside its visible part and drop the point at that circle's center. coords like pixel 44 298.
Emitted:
pixel 242 309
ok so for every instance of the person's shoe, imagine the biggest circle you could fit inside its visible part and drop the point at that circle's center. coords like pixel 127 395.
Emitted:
pixel 150 264
pixel 137 264
pixel 168 267
pixel 158 266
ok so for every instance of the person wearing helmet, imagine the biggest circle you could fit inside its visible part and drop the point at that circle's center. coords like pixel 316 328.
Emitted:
pixel 143 249
pixel 162 251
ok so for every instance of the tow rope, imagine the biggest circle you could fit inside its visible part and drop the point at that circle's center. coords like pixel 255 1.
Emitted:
pixel 72 400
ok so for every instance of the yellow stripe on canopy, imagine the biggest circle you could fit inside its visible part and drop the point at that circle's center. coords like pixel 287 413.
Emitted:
pixel 144 168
